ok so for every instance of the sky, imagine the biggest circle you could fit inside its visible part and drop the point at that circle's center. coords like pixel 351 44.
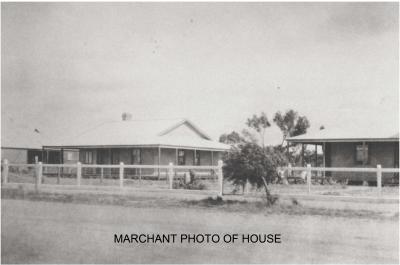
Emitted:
pixel 66 67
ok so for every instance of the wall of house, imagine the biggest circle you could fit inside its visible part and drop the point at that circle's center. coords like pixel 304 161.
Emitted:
pixel 189 157
pixel 217 156
pixel 82 153
pixel 205 157
pixel 18 156
pixel 125 156
pixel 168 156
pixel 149 156
pixel 103 156
pixel 71 157
pixel 21 156
pixel 343 155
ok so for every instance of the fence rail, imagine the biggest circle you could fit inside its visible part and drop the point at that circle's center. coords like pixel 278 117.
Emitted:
pixel 308 170
pixel 171 176
pixel 345 169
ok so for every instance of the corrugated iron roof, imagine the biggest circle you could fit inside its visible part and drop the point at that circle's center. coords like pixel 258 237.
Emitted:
pixel 141 133
pixel 350 133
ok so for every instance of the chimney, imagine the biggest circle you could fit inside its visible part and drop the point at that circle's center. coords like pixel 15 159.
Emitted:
pixel 126 116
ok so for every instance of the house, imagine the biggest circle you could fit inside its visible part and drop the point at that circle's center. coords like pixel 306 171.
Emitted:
pixel 20 145
pixel 355 147
pixel 138 142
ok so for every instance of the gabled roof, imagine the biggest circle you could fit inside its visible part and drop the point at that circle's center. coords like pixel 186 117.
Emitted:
pixel 350 134
pixel 142 133
pixel 188 123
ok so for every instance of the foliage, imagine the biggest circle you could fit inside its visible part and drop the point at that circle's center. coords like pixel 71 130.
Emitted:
pixel 193 184
pixel 259 124
pixel 254 164
pixel 249 137
pixel 232 138
pixel 249 162
pixel 291 124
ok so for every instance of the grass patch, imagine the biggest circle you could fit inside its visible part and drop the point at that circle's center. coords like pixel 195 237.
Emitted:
pixel 291 207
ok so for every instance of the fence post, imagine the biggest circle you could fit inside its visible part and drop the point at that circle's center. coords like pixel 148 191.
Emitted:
pixel 39 171
pixel 290 170
pixel 220 178
pixel 59 175
pixel 171 175
pixel 5 170
pixel 379 179
pixel 121 175
pixel 78 173
pixel 309 178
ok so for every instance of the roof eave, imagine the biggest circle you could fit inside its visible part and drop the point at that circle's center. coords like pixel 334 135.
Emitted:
pixel 341 140
pixel 136 146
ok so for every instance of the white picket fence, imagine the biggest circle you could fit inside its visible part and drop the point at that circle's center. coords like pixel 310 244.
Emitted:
pixel 169 171
pixel 308 170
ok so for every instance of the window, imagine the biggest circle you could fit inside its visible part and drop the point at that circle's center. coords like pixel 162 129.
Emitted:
pixel 71 155
pixel 197 159
pixel 181 157
pixel 88 157
pixel 361 155
pixel 136 157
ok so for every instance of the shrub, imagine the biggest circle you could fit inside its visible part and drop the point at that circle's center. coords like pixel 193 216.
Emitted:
pixel 254 164
pixel 193 185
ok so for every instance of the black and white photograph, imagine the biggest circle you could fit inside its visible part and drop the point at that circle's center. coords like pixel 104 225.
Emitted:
pixel 200 132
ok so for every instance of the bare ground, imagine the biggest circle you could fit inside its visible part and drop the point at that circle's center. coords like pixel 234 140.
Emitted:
pixel 54 232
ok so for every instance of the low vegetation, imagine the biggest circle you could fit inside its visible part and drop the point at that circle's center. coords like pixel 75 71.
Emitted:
pixel 289 207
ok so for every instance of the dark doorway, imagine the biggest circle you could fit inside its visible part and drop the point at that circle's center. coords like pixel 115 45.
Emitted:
pixel 32 154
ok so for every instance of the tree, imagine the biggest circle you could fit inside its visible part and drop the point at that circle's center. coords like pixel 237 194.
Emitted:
pixel 259 124
pixel 291 124
pixel 232 138
pixel 254 164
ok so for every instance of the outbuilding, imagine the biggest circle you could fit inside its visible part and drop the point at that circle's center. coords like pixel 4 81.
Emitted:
pixel 354 148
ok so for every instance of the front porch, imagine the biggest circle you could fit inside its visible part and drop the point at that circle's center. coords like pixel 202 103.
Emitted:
pixel 131 155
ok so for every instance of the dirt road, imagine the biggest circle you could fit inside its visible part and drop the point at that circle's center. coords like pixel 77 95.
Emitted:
pixel 50 232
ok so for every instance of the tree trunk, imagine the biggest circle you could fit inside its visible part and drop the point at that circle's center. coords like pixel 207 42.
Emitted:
pixel 270 199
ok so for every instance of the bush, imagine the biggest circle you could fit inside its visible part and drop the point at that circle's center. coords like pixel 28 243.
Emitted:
pixel 254 164
pixel 193 185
